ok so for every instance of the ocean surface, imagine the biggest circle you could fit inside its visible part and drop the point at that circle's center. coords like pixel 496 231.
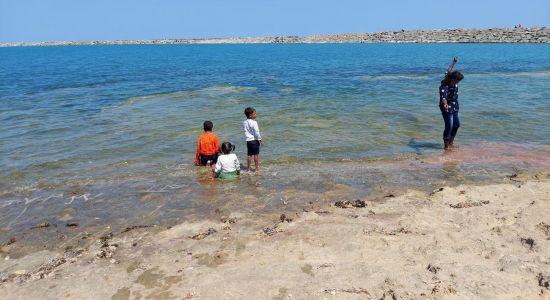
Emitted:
pixel 97 135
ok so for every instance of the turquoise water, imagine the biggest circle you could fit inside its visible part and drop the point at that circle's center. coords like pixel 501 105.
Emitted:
pixel 117 121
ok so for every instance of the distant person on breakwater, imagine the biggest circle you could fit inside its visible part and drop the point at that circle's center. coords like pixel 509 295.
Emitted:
pixel 253 139
pixel 448 104
pixel 208 146
pixel 228 165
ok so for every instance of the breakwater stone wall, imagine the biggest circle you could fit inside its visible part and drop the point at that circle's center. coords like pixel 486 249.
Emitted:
pixel 492 35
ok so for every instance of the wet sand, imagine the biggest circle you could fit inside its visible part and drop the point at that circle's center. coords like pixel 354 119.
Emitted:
pixel 43 217
pixel 462 242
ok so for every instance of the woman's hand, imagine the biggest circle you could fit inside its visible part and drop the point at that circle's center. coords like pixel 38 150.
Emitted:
pixel 450 68
pixel 445 105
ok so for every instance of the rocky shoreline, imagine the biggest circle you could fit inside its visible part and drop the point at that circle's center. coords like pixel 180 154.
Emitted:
pixel 491 35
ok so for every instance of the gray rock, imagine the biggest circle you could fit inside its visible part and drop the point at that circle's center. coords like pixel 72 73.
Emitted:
pixel 491 35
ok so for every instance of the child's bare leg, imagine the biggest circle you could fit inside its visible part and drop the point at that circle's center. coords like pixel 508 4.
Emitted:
pixel 257 162
pixel 248 161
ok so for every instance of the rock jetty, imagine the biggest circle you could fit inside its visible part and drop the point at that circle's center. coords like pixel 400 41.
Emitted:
pixel 492 35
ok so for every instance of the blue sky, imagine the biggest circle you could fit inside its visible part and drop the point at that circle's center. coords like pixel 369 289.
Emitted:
pixel 59 20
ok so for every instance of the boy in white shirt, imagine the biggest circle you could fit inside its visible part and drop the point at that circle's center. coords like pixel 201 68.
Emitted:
pixel 253 139
pixel 228 165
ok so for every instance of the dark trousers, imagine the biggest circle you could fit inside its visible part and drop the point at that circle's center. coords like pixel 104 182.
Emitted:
pixel 205 158
pixel 452 123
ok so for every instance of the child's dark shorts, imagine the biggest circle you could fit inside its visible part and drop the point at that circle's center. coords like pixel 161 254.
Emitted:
pixel 253 147
pixel 205 158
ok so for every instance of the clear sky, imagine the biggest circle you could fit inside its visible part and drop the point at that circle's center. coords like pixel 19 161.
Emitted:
pixel 61 20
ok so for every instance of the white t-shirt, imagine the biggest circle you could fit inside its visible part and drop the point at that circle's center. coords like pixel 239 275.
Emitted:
pixel 251 130
pixel 227 163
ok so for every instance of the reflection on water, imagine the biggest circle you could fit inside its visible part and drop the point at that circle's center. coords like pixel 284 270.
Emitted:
pixel 451 171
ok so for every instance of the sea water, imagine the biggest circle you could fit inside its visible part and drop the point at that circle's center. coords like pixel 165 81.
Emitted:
pixel 96 134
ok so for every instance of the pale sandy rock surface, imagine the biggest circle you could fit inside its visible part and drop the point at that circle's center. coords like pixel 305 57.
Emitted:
pixel 466 242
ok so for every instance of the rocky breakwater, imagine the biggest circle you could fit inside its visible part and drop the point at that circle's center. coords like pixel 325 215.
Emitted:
pixel 496 35
pixel 492 35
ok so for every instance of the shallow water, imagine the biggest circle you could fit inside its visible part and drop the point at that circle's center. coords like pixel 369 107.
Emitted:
pixel 168 195
pixel 110 131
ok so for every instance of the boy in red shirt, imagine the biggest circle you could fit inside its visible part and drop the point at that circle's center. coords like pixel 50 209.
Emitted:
pixel 208 146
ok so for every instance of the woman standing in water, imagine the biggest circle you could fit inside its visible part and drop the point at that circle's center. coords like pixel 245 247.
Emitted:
pixel 448 104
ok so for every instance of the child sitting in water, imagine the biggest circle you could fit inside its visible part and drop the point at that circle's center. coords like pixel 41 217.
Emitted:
pixel 228 165
pixel 208 146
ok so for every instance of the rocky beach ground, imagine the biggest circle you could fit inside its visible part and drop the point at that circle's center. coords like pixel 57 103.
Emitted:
pixel 463 242
pixel 490 35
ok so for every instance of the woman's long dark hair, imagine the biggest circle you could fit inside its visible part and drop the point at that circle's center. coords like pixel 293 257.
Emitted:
pixel 453 77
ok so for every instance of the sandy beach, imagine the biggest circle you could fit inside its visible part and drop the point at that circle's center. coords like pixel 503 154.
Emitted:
pixel 463 242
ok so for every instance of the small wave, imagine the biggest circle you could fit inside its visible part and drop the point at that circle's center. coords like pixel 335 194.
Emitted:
pixel 315 123
pixel 180 95
pixel 394 77
pixel 208 92
pixel 225 89
pixel 533 74
pixel 67 88
pixel 545 73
